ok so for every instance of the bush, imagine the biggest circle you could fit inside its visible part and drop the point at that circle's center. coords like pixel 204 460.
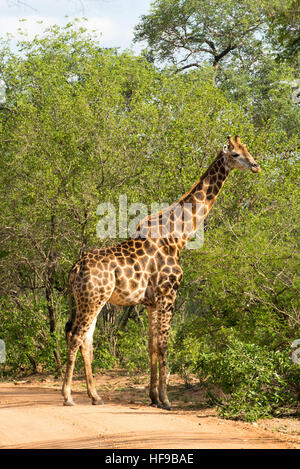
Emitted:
pixel 132 345
pixel 30 346
pixel 257 382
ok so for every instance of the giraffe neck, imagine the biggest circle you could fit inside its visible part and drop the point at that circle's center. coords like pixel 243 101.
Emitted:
pixel 198 201
pixel 180 221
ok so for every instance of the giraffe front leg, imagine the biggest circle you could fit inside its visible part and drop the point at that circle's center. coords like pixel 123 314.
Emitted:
pixel 153 392
pixel 165 318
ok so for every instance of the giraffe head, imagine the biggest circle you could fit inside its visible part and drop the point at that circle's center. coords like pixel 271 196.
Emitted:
pixel 237 156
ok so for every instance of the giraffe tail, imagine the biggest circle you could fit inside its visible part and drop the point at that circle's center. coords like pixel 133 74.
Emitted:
pixel 72 311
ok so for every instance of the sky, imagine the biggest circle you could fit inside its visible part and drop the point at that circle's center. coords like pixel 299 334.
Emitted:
pixel 114 19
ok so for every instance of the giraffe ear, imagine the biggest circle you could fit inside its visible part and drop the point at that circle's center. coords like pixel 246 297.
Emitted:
pixel 231 141
pixel 225 148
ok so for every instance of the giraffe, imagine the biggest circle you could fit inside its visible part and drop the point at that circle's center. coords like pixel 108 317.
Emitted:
pixel 145 270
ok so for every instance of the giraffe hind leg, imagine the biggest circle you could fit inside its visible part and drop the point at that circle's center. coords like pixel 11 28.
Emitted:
pixel 73 346
pixel 153 391
pixel 80 336
pixel 86 349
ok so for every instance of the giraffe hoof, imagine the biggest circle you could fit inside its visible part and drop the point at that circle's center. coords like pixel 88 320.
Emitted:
pixel 154 403
pixel 69 403
pixel 165 406
pixel 97 401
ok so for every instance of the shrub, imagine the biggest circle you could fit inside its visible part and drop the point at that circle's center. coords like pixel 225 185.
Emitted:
pixel 258 382
pixel 132 345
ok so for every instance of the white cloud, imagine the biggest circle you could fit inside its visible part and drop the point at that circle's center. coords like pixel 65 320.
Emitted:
pixel 111 32
pixel 35 24
pixel 14 25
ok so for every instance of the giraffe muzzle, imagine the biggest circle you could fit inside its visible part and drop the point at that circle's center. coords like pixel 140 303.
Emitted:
pixel 255 168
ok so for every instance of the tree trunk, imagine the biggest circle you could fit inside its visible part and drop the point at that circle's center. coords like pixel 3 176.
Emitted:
pixel 49 293
pixel 51 312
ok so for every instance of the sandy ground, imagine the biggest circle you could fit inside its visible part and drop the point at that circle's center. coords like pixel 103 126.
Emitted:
pixel 32 416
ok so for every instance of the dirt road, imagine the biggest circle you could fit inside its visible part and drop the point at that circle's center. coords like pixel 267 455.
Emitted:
pixel 32 416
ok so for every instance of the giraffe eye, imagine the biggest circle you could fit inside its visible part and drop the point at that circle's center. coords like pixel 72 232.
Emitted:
pixel 234 154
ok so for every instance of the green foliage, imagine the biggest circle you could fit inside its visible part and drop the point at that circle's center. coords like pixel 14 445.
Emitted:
pixel 132 345
pixel 82 125
pixel 241 297
pixel 259 382
pixel 183 353
pixel 103 358
pixel 265 93
pixel 242 41
pixel 188 31
pixel 246 380
pixel 30 345
pixel 284 30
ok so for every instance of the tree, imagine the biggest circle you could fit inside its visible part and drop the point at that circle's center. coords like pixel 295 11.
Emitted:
pixel 58 135
pixel 265 92
pixel 81 125
pixel 187 32
pixel 284 31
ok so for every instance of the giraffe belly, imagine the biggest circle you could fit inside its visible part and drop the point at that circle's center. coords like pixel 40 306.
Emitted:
pixel 124 298
pixel 130 286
